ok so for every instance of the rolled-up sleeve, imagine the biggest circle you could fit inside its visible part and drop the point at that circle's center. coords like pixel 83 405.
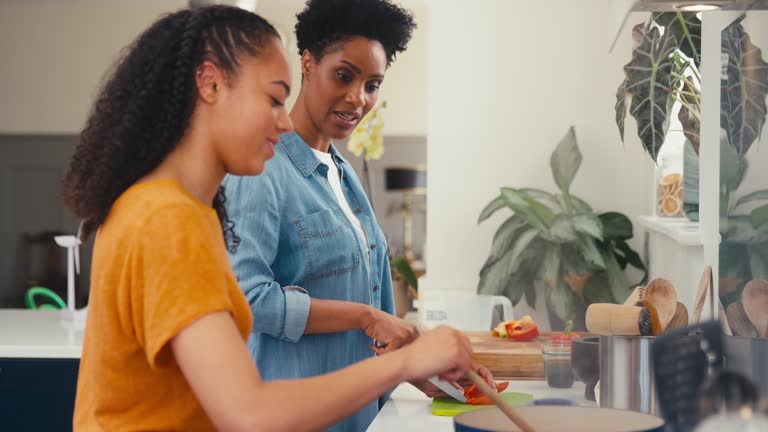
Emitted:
pixel 252 205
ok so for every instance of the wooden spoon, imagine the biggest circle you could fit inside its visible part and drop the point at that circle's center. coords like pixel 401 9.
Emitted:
pixel 680 319
pixel 661 294
pixel 755 300
pixel 501 403
pixel 701 294
pixel 635 296
pixel 739 321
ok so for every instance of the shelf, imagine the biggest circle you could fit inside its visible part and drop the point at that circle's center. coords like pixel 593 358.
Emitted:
pixel 680 230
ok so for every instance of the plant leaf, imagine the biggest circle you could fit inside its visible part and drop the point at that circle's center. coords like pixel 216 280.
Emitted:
pixel 598 290
pixel 404 269
pixel 566 160
pixel 590 253
pixel 616 226
pixel 732 167
pixel 759 216
pixel 543 196
pixel 621 107
pixel 758 261
pixel 687 117
pixel 616 279
pixel 743 91
pixel 562 301
pixel 631 257
pixel 761 195
pixel 562 229
pixel 495 277
pixel 491 208
pixel 649 81
pixel 530 294
pixel 588 224
pixel 686 27
pixel 537 214
pixel 579 205
pixel 504 238
pixel 549 272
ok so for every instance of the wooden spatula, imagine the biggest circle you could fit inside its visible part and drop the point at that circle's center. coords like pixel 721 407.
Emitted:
pixel 680 319
pixel 701 294
pixel 755 300
pixel 661 294
pixel 501 403
pixel 739 321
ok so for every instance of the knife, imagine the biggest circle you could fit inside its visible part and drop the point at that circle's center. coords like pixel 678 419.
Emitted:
pixel 448 389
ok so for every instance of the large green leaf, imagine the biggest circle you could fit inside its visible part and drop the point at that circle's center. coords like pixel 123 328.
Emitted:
pixel 739 229
pixel 621 107
pixel 761 195
pixel 759 216
pixel 530 294
pixel 686 27
pixel 494 278
pixel 732 167
pixel 590 252
pixel 505 237
pixel 630 257
pixel 616 226
pixel 616 279
pixel 743 91
pixel 562 229
pixel 638 33
pixel 491 208
pixel 566 160
pixel 598 289
pixel 536 213
pixel 689 110
pixel 579 205
pixel 404 269
pixel 649 81
pixel 543 196
pixel 549 272
pixel 562 301
pixel 588 224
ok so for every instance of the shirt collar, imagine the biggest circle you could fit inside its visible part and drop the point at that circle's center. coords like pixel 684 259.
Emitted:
pixel 301 154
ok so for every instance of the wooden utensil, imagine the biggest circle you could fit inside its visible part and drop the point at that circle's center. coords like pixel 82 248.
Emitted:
pixel 755 301
pixel 635 296
pixel 701 294
pixel 723 318
pixel 739 321
pixel 501 403
pixel 680 319
pixel 612 319
pixel 662 295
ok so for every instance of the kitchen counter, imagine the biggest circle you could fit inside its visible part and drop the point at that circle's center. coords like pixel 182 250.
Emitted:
pixel 409 410
pixel 38 334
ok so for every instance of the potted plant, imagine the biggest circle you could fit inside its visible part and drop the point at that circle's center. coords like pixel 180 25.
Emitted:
pixel 558 238
pixel 664 70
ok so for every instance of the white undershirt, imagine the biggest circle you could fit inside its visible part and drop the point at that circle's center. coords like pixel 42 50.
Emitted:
pixel 335 182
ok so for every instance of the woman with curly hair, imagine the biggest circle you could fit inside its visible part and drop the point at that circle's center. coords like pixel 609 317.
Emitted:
pixel 197 95
pixel 312 259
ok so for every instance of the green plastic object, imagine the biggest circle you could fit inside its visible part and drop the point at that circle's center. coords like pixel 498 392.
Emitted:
pixel 451 407
pixel 48 294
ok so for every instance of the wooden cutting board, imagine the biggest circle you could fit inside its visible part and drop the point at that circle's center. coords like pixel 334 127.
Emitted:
pixel 508 359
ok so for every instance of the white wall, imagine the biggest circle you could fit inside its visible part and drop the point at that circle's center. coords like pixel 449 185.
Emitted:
pixel 55 53
pixel 506 80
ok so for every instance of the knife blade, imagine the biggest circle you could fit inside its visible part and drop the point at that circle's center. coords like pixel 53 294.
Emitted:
pixel 448 389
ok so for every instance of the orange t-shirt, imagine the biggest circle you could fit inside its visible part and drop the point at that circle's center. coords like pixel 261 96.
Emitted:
pixel 159 264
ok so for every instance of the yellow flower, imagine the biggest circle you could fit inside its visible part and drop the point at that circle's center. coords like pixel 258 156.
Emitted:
pixel 367 137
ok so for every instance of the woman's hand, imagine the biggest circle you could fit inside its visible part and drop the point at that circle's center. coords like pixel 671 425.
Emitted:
pixel 432 391
pixel 444 352
pixel 389 331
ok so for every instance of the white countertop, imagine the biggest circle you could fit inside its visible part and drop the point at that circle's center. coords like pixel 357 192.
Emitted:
pixel 409 410
pixel 28 333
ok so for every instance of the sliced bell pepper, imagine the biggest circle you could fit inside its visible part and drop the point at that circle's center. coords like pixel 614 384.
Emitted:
pixel 472 392
pixel 522 330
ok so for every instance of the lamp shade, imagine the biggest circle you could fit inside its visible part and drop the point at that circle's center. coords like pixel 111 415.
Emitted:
pixel 402 179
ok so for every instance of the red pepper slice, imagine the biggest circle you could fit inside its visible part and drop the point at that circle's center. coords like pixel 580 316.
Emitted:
pixel 482 400
pixel 522 330
pixel 472 392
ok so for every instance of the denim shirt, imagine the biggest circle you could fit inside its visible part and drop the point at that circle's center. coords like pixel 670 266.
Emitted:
pixel 296 243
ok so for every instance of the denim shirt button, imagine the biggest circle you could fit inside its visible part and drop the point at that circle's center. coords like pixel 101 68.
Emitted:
pixel 358 210
pixel 375 287
pixel 373 246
